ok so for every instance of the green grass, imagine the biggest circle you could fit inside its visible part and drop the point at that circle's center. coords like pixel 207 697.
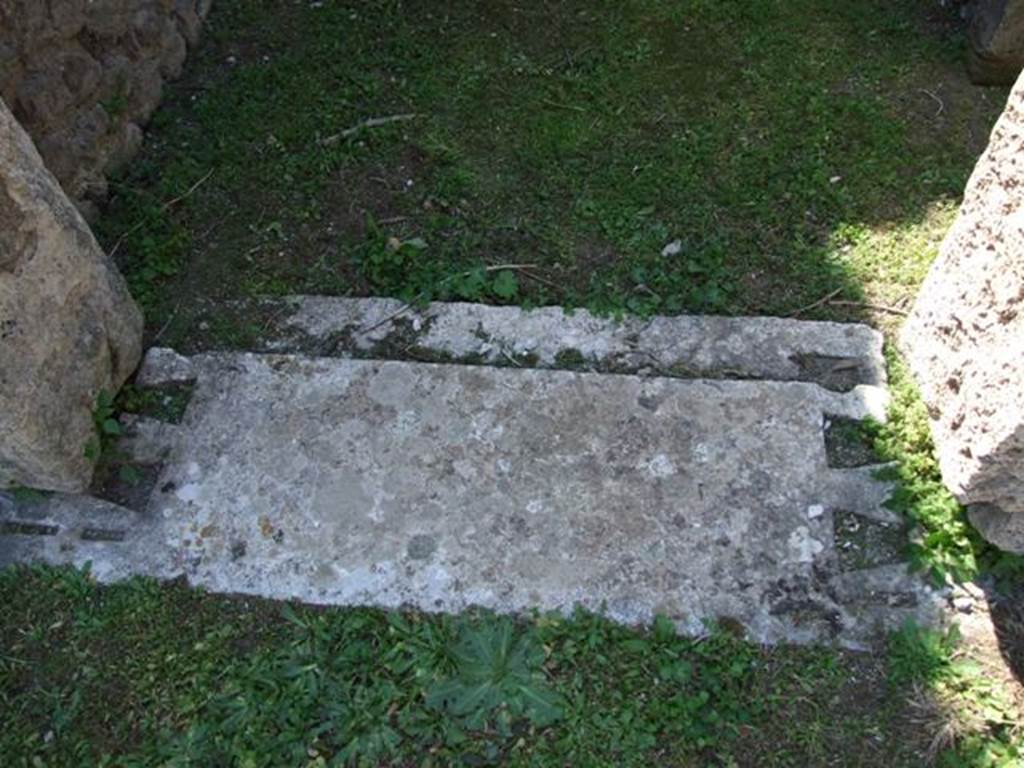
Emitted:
pixel 944 542
pixel 791 147
pixel 143 674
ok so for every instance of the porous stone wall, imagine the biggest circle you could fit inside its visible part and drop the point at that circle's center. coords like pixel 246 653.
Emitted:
pixel 83 76
pixel 965 339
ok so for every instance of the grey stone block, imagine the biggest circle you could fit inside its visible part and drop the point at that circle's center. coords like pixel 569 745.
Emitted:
pixel 386 483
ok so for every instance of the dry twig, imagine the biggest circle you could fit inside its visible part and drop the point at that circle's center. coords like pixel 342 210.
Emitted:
pixel 555 104
pixel 538 278
pixel 823 300
pixel 866 305
pixel 163 209
pixel 166 325
pixel 371 122
pixel 511 359
pixel 936 99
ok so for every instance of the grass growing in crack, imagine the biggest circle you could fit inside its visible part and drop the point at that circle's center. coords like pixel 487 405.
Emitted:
pixel 756 137
pixel 107 427
pixel 945 542
pixel 165 403
pixel 189 678
pixel 102 449
pixel 25 495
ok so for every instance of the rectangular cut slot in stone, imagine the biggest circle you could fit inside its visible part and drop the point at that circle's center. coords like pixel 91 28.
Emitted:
pixel 102 534
pixel 846 444
pixel 23 528
pixel 837 373
pixel 864 543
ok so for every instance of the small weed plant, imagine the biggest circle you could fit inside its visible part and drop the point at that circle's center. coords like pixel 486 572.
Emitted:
pixel 108 428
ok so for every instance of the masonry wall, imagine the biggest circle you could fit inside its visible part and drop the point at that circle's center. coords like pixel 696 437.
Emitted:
pixel 83 76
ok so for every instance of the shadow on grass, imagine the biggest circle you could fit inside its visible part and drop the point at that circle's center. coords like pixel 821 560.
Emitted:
pixel 202 679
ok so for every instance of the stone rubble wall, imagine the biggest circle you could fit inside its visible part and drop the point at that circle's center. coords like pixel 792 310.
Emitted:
pixel 83 76
pixel 965 339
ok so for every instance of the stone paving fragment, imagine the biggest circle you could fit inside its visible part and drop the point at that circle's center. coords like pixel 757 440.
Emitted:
pixel 440 486
pixel 837 355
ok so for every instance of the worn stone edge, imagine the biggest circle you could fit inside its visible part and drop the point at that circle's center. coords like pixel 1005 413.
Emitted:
pixel 684 346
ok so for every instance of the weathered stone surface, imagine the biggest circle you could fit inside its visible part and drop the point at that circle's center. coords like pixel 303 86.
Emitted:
pixel 995 54
pixel 965 339
pixel 165 366
pixel 38 529
pixel 68 328
pixel 82 75
pixel 443 486
pixel 837 355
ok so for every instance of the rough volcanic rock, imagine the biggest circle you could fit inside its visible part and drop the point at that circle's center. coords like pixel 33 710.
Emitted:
pixel 965 339
pixel 68 328
pixel 995 54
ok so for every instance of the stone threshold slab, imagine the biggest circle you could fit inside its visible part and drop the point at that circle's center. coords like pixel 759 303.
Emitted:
pixel 358 482
pixel 838 356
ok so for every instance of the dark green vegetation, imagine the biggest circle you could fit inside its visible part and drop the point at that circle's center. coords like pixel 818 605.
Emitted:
pixel 792 147
pixel 141 674
pixel 107 427
pixel 166 403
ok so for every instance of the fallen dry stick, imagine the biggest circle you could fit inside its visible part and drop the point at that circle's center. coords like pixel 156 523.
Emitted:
pixel 823 300
pixel 865 305
pixel 163 208
pixel 371 122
